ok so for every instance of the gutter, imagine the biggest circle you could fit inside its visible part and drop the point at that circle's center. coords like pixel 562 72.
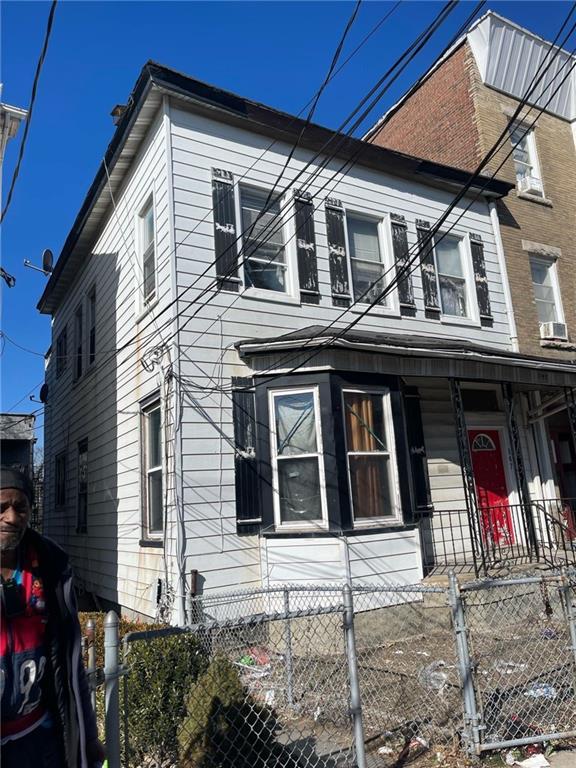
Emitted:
pixel 504 274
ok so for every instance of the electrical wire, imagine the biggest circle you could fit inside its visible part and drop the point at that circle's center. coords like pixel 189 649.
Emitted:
pixel 30 108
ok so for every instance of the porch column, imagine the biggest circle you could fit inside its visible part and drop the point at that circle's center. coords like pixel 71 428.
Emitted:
pixel 571 411
pixel 518 464
pixel 467 474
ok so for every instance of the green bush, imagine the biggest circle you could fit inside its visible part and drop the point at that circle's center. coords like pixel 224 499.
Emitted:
pixel 162 671
pixel 225 727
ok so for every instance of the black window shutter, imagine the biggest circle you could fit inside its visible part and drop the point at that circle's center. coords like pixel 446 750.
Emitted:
pixel 339 281
pixel 306 248
pixel 248 508
pixel 480 279
pixel 225 235
pixel 417 449
pixel 401 259
pixel 428 266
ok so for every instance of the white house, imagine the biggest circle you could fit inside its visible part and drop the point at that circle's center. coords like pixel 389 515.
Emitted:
pixel 230 394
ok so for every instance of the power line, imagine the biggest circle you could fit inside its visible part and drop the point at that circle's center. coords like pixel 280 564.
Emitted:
pixel 31 107
pixel 421 39
pixel 5 336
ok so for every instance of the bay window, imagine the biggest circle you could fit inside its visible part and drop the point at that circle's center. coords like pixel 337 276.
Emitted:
pixel 298 472
pixel 370 454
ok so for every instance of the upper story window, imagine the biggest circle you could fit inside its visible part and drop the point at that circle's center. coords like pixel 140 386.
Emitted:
pixel 60 480
pixel 298 472
pixel 371 458
pixel 61 352
pixel 452 280
pixel 82 502
pixel 367 264
pixel 264 250
pixel 528 176
pixel 92 326
pixel 148 252
pixel 78 341
pixel 152 480
pixel 547 296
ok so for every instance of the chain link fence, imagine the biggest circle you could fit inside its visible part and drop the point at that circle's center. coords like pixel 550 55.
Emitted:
pixel 334 677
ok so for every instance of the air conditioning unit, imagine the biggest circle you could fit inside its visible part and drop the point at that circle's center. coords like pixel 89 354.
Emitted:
pixel 530 184
pixel 553 331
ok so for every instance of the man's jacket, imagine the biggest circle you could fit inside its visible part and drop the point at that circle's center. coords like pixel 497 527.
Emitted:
pixel 69 693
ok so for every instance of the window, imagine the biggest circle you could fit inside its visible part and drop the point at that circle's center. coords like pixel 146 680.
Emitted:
pixel 296 458
pixel 152 443
pixel 147 249
pixel 450 268
pixel 82 510
pixel 483 442
pixel 263 242
pixel 78 332
pixel 371 459
pixel 61 352
pixel 366 259
pixel 91 326
pixel 525 160
pixel 545 290
pixel 60 480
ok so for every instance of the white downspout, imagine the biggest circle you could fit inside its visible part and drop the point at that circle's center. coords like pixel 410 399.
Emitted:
pixel 504 274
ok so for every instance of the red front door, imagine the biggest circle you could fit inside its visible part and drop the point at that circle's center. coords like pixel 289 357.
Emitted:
pixel 491 488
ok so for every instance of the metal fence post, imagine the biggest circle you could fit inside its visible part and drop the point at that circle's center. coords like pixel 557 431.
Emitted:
pixel 112 693
pixel 355 699
pixel 471 734
pixel 566 589
pixel 288 645
pixel 90 638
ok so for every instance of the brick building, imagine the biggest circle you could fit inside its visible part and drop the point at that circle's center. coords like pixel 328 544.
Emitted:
pixel 454 115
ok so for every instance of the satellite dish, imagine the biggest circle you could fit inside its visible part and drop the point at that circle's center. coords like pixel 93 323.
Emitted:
pixel 47 260
pixel 44 390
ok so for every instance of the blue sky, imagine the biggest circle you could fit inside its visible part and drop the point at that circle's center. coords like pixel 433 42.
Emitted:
pixel 274 52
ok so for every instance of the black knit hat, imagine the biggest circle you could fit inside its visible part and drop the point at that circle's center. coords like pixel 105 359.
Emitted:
pixel 14 478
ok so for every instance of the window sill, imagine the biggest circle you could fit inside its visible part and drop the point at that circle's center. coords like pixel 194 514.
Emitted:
pixel 455 320
pixel 359 309
pixel 272 296
pixel 567 346
pixel 535 199
pixel 307 533
pixel 151 543
pixel 146 311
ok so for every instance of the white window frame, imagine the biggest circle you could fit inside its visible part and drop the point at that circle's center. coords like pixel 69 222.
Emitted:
pixel 61 355
pixel 297 524
pixel 91 293
pixel 147 406
pixel 81 526
pixel 384 229
pixel 144 304
pixel 473 316
pixel 78 337
pixel 533 157
pixel 292 293
pixel 553 272
pixel 396 518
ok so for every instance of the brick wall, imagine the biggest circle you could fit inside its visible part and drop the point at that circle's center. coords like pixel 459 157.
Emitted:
pixel 455 119
pixel 437 122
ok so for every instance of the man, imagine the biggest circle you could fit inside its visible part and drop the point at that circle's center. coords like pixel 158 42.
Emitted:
pixel 47 717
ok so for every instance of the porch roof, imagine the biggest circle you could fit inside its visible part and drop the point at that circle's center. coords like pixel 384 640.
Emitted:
pixel 405 354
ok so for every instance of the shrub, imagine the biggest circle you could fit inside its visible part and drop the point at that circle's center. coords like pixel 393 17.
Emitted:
pixel 225 727
pixel 162 671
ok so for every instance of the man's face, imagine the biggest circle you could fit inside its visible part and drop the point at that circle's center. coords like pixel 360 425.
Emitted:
pixel 14 516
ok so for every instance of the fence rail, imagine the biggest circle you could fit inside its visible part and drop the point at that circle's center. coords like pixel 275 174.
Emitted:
pixel 346 677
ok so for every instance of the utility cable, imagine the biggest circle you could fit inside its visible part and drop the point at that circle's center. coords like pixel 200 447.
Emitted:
pixel 30 108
